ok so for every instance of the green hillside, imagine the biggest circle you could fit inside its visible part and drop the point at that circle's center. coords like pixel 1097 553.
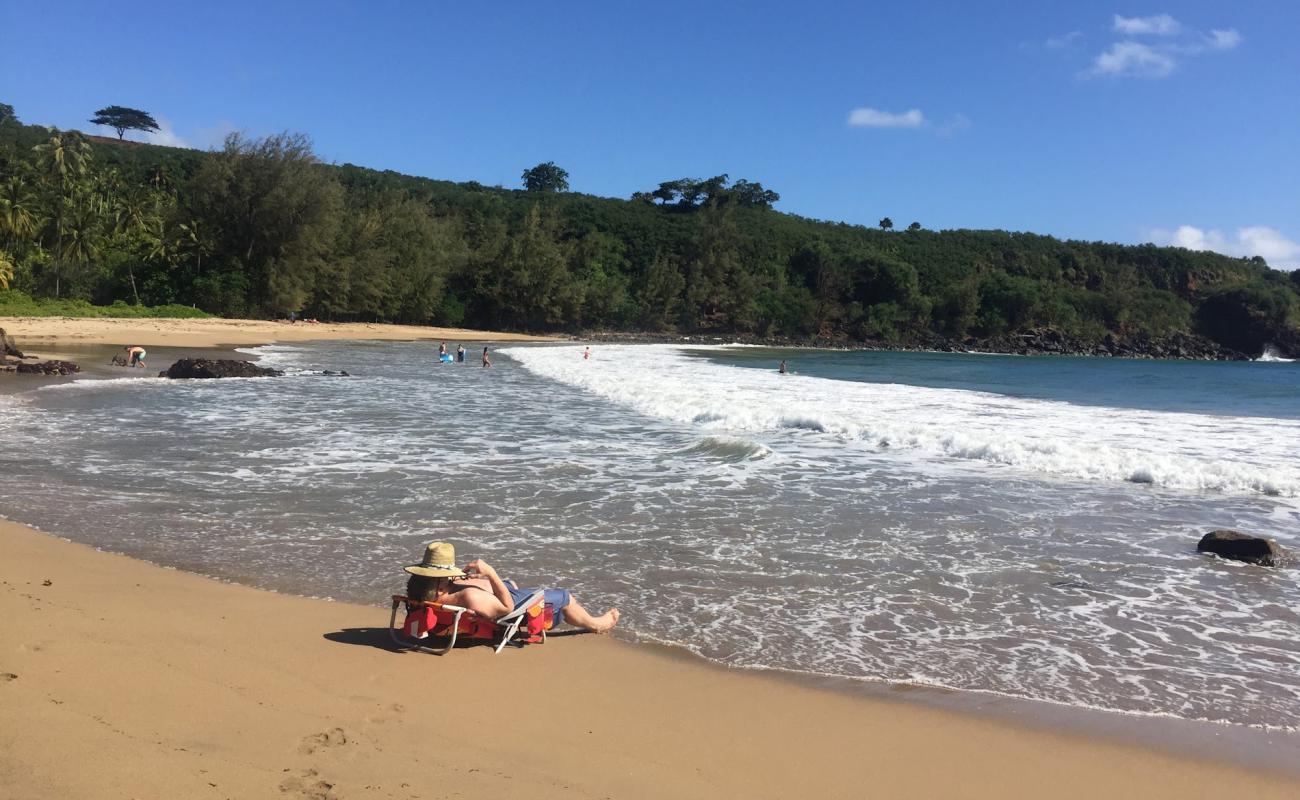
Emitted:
pixel 262 228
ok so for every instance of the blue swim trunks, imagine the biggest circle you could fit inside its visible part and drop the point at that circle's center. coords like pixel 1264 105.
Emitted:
pixel 555 598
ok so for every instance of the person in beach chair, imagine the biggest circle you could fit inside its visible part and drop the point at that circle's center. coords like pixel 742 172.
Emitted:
pixel 443 600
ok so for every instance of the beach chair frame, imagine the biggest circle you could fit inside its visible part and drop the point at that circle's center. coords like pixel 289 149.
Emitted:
pixel 508 626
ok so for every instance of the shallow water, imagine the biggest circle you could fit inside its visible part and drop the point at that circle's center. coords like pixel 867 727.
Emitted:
pixel 922 519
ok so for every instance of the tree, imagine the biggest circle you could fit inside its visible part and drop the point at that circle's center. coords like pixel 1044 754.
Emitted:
pixel 914 227
pixel 271 212
pixel 546 178
pixel 122 119
pixel 886 224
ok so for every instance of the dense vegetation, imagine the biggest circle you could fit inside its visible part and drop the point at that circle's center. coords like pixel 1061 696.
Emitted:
pixel 262 228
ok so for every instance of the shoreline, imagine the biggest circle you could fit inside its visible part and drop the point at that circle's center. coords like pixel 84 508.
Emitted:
pixel 250 690
pixel 45 334
pixel 1078 736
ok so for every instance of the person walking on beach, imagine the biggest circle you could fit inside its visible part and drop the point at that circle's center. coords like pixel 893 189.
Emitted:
pixel 134 355
pixel 479 588
pixel 487 362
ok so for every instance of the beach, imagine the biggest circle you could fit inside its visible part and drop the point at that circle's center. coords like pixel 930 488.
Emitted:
pixel 123 679
pixel 44 335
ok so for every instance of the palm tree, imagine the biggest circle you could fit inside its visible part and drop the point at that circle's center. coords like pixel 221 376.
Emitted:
pixel 18 221
pixel 64 158
pixel 6 269
pixel 194 239
pixel 18 213
pixel 77 237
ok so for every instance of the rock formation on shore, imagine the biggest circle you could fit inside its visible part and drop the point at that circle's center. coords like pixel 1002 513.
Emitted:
pixel 217 368
pixel 48 368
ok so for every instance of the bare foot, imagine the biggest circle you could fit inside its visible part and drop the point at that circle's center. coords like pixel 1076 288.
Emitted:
pixel 605 622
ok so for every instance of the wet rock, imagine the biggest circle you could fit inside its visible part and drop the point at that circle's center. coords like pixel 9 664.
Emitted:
pixel 217 368
pixel 1241 547
pixel 49 368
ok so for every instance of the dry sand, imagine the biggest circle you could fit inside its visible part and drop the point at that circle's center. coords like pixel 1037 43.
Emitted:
pixel 120 679
pixel 41 334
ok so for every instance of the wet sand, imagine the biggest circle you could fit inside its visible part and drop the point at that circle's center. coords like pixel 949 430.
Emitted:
pixel 122 679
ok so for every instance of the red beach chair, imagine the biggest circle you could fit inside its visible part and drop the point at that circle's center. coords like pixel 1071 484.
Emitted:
pixel 528 623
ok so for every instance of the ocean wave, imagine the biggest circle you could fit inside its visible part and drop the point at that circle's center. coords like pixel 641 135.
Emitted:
pixel 1272 355
pixel 728 449
pixel 1174 450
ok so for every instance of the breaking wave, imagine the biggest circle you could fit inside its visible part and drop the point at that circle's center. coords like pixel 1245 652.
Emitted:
pixel 1196 452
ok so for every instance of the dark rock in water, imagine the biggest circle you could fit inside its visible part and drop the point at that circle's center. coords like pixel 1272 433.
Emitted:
pixel 49 368
pixel 217 368
pixel 1240 547
pixel 7 346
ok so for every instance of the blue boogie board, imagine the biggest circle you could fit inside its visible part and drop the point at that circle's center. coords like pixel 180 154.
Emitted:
pixel 445 358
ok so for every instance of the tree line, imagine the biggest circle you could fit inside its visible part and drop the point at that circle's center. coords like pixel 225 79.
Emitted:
pixel 261 227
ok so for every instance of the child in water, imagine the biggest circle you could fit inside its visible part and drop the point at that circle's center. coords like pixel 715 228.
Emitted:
pixel 487 362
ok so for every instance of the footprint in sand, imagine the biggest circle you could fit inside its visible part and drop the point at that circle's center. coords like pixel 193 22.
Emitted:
pixel 331 738
pixel 308 785
pixel 5 677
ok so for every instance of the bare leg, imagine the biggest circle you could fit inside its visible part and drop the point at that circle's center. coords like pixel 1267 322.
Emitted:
pixel 575 614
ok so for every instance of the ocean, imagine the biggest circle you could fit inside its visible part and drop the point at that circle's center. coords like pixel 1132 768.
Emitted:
pixel 1015 526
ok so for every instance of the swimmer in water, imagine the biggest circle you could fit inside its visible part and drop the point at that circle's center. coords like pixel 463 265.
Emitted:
pixel 782 369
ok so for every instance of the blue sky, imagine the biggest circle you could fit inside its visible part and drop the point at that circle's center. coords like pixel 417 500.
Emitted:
pixel 1173 122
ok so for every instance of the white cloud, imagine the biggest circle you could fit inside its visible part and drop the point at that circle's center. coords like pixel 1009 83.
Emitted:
pixel 874 118
pixel 1133 59
pixel 1158 25
pixel 164 135
pixel 214 137
pixel 1224 40
pixel 1254 240
pixel 1159 57
pixel 1060 42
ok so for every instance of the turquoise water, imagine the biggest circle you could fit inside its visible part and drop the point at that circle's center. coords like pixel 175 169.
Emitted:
pixel 1236 388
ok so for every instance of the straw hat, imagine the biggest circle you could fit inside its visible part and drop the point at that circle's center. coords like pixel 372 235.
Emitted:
pixel 439 562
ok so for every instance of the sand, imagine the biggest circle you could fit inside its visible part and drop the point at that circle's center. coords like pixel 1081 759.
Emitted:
pixel 54 334
pixel 120 679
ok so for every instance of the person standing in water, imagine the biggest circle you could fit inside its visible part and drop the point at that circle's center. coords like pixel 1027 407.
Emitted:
pixel 586 354
pixel 135 355
pixel 487 362
pixel 442 349
pixel 781 369
pixel 460 353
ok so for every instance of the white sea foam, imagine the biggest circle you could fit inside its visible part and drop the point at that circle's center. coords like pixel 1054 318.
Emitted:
pixel 1271 354
pixel 1167 449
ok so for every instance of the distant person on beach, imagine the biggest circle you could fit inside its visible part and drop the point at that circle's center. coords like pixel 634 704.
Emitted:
pixel 460 353
pixel 293 317
pixel 487 362
pixel 479 588
pixel 134 355
pixel 586 354
pixel 781 369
